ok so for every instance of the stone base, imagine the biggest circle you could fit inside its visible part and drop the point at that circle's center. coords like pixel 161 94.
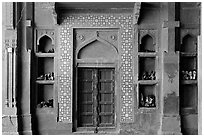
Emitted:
pixel 10 133
pixel 171 125
pixel 171 133
pixel 25 133
pixel 10 125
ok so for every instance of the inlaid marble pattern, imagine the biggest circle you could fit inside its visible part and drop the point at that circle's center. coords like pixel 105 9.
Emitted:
pixel 124 23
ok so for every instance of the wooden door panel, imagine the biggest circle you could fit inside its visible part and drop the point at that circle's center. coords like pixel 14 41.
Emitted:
pixel 85 97
pixel 85 74
pixel 86 109
pixel 106 108
pixel 86 120
pixel 106 97
pixel 105 74
pixel 106 120
pixel 86 86
pixel 106 86
pixel 95 97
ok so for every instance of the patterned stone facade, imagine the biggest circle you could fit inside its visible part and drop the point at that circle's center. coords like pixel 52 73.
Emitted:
pixel 124 23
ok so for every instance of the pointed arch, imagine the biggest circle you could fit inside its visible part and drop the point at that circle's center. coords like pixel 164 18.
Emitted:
pixel 188 43
pixel 45 43
pixel 94 39
pixel 147 44
pixel 148 35
pixel 44 36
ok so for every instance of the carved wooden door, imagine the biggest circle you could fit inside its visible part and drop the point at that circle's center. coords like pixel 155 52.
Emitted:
pixel 95 97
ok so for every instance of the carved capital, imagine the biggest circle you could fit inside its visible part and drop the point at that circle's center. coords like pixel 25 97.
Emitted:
pixel 10 44
pixel 11 41
pixel 136 12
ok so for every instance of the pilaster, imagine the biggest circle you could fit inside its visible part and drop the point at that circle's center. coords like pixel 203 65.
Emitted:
pixel 9 114
pixel 170 76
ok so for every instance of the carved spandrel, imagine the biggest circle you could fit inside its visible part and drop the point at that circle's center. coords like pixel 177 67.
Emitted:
pixel 109 36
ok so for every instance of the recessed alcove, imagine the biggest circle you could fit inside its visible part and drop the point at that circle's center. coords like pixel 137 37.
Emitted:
pixel 97 50
pixel 188 63
pixel 188 96
pixel 45 96
pixel 146 67
pixel 188 77
pixel 188 44
pixel 147 44
pixel 147 96
pixel 45 45
pixel 45 65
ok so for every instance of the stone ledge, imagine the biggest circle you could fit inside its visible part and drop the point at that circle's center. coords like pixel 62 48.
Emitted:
pixel 171 133
pixel 10 133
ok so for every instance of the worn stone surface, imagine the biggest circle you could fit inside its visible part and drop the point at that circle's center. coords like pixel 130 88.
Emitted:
pixel 171 124
pixel 171 118
pixel 145 123
pixel 9 125
pixel 171 104
pixel 130 129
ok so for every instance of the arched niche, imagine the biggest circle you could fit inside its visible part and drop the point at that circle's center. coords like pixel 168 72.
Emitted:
pixel 45 44
pixel 147 44
pixel 97 49
pixel 188 44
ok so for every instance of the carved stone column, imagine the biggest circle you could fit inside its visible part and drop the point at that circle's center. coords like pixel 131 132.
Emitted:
pixel 9 116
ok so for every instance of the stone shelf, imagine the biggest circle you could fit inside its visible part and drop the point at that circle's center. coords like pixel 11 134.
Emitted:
pixel 147 82
pixel 45 55
pixel 185 54
pixel 189 82
pixel 48 110
pixel 188 110
pixel 45 81
pixel 147 54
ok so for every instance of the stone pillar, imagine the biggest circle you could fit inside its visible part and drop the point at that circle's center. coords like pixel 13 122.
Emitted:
pixel 170 78
pixel 25 41
pixel 9 114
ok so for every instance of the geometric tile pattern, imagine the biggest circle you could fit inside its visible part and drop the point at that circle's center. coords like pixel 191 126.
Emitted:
pixel 124 23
